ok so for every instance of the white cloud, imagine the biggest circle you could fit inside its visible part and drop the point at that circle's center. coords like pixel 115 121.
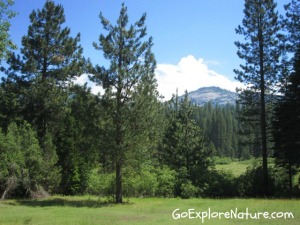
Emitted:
pixel 85 79
pixel 189 74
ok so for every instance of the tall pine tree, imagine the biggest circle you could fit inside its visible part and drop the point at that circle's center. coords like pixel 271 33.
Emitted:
pixel 291 24
pixel 290 40
pixel 287 124
pixel 38 78
pixel 49 58
pixel 260 52
pixel 130 88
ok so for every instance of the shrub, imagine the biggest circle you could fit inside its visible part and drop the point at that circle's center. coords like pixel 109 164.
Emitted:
pixel 148 183
pixel 140 183
pixel 281 182
pixel 188 190
pixel 251 183
pixel 130 182
pixel 166 182
pixel 101 183
pixel 221 184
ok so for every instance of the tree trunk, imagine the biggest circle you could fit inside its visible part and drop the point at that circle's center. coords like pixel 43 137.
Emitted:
pixel 263 111
pixel 10 185
pixel 4 194
pixel 119 189
pixel 264 145
pixel 119 147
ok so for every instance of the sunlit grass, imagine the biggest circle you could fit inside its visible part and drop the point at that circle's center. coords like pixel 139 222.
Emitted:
pixel 95 211
pixel 236 167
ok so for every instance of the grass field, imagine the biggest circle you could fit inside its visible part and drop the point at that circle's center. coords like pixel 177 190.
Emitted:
pixel 91 210
pixel 236 167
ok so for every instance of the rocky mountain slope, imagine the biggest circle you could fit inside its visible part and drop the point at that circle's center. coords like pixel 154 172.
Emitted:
pixel 215 95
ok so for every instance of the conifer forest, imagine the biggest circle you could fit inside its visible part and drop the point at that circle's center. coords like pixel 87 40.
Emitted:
pixel 57 137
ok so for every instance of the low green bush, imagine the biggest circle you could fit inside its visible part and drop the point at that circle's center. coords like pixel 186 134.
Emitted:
pixel 101 183
pixel 188 190
pixel 166 182
pixel 142 183
pixel 221 184
pixel 251 183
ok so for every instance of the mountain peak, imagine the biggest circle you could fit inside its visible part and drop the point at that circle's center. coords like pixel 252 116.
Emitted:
pixel 215 95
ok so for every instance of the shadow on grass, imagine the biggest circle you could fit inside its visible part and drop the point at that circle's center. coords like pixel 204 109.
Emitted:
pixel 89 203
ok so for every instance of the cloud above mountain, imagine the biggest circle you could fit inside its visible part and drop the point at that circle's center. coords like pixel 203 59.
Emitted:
pixel 190 74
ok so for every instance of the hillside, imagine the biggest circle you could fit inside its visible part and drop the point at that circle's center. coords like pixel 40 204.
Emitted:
pixel 215 95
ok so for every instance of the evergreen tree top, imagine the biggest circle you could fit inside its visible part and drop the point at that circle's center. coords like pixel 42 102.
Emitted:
pixel 47 50
pixel 129 54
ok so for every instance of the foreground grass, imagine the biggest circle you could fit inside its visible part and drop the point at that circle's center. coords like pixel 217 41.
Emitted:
pixel 91 210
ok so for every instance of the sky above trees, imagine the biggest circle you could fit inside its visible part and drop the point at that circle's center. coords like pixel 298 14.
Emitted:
pixel 193 40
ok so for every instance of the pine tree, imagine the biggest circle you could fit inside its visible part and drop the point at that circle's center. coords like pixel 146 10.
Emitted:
pixel 221 132
pixel 287 124
pixel 260 52
pixel 21 160
pixel 49 59
pixel 48 50
pixel 79 142
pixel 249 124
pixel 36 87
pixel 12 160
pixel 291 24
pixel 51 171
pixel 290 40
pixel 32 174
pixel 9 104
pixel 229 132
pixel 183 148
pixel 130 88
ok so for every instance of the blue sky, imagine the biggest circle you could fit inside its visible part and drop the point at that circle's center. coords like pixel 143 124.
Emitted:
pixel 193 39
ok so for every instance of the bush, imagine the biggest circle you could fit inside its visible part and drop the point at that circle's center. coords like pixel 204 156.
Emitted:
pixel 148 183
pixel 101 183
pixel 221 184
pixel 130 182
pixel 166 182
pixel 281 182
pixel 188 190
pixel 251 184
pixel 140 183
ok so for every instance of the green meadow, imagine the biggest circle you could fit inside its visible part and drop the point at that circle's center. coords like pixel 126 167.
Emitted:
pixel 235 167
pixel 94 211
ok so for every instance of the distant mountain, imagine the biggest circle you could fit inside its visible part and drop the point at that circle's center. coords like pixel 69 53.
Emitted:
pixel 215 95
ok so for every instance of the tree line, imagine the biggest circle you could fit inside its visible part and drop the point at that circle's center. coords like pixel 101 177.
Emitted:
pixel 58 138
